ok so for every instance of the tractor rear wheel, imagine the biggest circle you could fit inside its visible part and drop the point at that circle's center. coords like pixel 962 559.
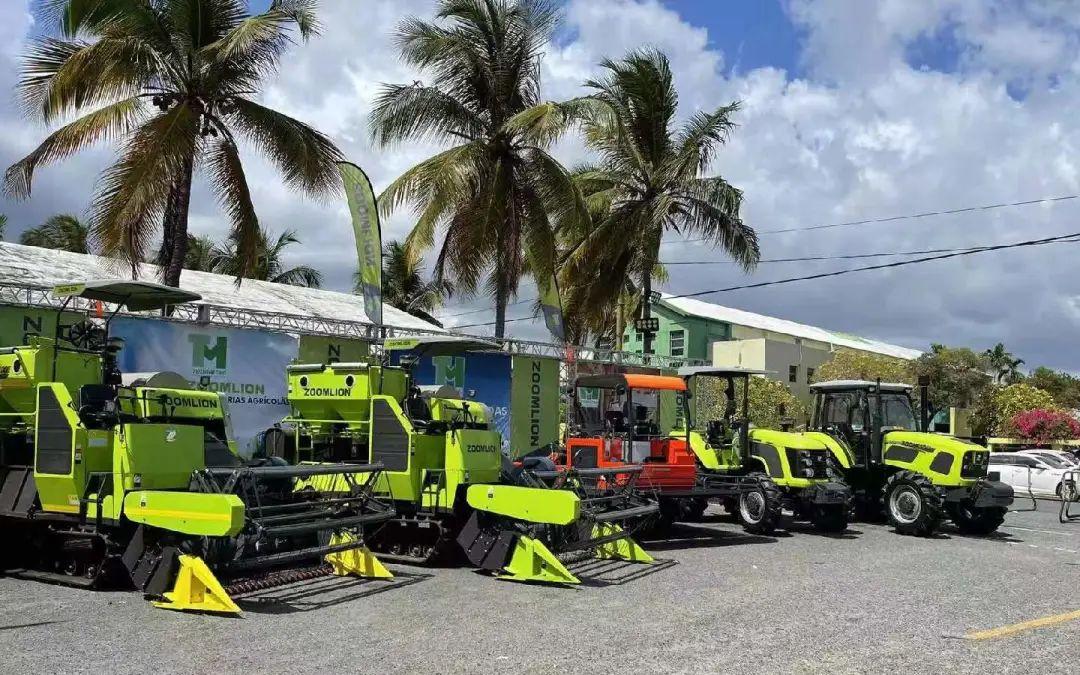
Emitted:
pixel 911 504
pixel 761 508
pixel 980 521
pixel 830 518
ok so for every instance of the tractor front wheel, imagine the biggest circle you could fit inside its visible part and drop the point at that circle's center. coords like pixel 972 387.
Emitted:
pixel 760 508
pixel 911 504
pixel 980 521
pixel 832 518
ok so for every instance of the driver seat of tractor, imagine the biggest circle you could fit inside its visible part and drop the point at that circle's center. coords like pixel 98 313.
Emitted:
pixel 416 407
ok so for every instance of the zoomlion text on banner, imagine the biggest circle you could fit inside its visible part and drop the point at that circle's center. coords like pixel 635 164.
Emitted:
pixel 246 366
pixel 534 403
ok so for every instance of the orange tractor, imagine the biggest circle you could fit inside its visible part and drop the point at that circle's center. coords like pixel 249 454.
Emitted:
pixel 617 423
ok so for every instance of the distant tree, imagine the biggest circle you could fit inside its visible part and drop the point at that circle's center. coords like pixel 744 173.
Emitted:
pixel 849 364
pixel 200 255
pixel 957 375
pixel 1064 387
pixel 996 408
pixel 267 264
pixel 1005 366
pixel 765 399
pixel 63 232
pixel 404 286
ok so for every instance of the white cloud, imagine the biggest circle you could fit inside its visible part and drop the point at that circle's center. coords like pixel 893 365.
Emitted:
pixel 862 134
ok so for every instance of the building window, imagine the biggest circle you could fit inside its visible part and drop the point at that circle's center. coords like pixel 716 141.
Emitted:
pixel 809 375
pixel 793 374
pixel 678 342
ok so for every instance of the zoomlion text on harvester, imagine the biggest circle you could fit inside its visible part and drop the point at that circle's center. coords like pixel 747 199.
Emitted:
pixel 452 487
pixel 109 480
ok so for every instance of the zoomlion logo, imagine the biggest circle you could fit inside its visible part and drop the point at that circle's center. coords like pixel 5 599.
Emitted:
pixel 481 448
pixel 449 370
pixel 209 358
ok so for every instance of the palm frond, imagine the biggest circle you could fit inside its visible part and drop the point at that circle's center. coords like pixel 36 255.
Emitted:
pixel 133 191
pixel 421 113
pixel 306 158
pixel 301 275
pixel 227 178
pixel 108 123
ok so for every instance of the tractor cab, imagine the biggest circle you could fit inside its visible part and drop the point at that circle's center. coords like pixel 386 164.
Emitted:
pixel 726 434
pixel 859 414
pixel 618 421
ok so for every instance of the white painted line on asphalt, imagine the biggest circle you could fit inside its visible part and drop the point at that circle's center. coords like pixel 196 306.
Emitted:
pixel 1035 529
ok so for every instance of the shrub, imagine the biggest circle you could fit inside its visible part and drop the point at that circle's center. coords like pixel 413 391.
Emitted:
pixel 1014 399
pixel 1044 426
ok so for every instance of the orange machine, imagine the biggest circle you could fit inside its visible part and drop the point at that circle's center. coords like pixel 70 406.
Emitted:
pixel 611 430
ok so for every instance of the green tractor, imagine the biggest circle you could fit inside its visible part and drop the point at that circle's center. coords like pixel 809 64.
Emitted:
pixel 105 483
pixel 794 470
pixel 453 490
pixel 920 478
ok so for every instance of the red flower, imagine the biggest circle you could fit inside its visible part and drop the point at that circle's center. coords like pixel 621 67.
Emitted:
pixel 1045 426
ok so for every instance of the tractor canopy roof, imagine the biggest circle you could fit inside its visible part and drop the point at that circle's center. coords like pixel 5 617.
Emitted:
pixel 439 345
pixel 719 371
pixel 838 385
pixel 632 381
pixel 136 296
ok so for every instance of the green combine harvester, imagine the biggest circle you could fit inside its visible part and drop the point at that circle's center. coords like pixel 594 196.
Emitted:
pixel 105 483
pixel 920 478
pixel 794 471
pixel 453 490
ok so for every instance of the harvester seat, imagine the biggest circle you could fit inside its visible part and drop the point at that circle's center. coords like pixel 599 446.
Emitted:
pixel 97 405
pixel 417 409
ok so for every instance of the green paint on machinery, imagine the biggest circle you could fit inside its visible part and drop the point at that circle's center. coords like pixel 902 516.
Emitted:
pixel 920 478
pixel 444 470
pixel 108 479
pixel 795 470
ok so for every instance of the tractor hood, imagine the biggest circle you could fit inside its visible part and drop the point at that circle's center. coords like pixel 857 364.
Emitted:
pixel 944 442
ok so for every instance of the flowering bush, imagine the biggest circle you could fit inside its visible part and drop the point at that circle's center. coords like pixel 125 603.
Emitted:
pixel 1044 426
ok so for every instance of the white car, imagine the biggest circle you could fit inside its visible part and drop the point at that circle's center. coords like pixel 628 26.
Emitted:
pixel 1030 473
pixel 1066 457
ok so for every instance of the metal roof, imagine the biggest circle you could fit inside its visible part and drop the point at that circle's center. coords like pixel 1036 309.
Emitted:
pixel 439 345
pixel 708 310
pixel 688 371
pixel 833 385
pixel 31 266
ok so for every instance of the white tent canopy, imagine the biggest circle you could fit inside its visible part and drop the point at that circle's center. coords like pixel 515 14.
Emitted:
pixel 41 267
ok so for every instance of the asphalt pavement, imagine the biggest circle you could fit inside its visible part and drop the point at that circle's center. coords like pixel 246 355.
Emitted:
pixel 718 601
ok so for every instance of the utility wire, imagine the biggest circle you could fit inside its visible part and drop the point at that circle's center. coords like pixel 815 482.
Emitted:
pixel 1065 238
pixel 890 219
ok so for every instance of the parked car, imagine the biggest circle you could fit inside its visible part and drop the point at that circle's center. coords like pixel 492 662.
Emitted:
pixel 1067 458
pixel 1029 473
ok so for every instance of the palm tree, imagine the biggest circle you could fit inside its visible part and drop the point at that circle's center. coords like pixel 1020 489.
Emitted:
pixel 648 180
pixel 491 192
pixel 403 285
pixel 266 263
pixel 1006 367
pixel 174 81
pixel 3 225
pixel 200 253
pixel 63 232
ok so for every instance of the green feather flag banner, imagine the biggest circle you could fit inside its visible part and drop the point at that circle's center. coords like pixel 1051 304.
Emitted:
pixel 365 221
pixel 551 306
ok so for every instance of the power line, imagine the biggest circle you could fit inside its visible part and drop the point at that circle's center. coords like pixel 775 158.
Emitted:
pixel 889 219
pixel 1065 238
pixel 854 256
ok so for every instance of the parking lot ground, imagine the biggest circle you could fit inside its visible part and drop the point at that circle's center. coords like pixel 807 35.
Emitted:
pixel 719 601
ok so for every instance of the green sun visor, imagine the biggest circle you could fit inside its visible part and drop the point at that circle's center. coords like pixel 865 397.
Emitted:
pixel 136 296
pixel 438 345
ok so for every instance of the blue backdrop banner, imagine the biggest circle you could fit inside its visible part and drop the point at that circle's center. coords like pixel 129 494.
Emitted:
pixel 481 377
pixel 247 366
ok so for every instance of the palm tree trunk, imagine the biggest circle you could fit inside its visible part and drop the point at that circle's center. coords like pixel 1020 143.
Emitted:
pixel 174 246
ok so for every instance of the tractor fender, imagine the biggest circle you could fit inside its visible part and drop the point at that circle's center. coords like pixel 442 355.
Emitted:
pixel 534 505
